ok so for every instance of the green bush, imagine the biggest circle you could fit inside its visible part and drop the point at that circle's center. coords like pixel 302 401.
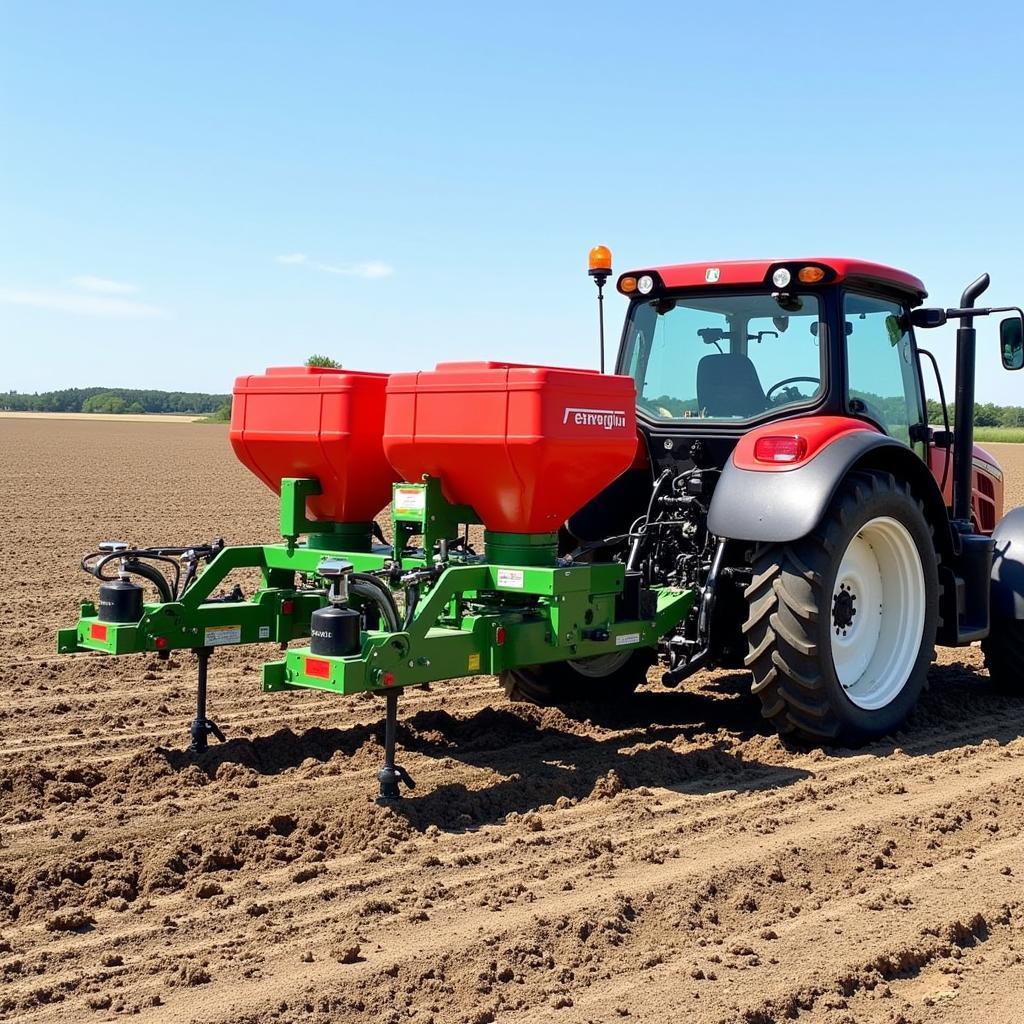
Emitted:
pixel 221 415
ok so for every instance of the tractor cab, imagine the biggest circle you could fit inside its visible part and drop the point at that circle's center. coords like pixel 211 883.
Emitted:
pixel 718 349
pixel 719 352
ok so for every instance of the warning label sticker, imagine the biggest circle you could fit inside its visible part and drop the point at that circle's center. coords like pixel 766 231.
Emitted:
pixel 410 499
pixel 264 632
pixel 627 638
pixel 474 663
pixel 217 636
pixel 510 578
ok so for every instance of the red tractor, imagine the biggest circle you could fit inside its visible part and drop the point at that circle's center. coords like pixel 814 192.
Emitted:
pixel 788 474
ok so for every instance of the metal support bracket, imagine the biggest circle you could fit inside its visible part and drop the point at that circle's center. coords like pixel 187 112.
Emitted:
pixel 202 726
pixel 391 774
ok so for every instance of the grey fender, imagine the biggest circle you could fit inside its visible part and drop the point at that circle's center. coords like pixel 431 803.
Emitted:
pixel 1008 566
pixel 783 506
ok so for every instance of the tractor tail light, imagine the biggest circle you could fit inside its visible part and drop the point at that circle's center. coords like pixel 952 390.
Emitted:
pixel 777 448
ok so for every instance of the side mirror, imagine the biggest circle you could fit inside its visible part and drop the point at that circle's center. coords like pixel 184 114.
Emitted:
pixel 1011 342
pixel 924 316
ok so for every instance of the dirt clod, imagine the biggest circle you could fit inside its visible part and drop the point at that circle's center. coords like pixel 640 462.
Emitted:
pixel 70 921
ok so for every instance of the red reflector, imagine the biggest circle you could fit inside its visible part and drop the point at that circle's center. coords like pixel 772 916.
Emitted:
pixel 780 448
pixel 318 669
pixel 97 632
pixel 388 678
pixel 160 642
pixel 287 607
pixel 499 636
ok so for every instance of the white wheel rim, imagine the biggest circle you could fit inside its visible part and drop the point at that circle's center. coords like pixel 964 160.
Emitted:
pixel 877 611
pixel 597 666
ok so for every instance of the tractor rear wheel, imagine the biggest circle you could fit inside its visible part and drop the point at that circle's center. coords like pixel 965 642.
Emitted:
pixel 1004 654
pixel 603 678
pixel 841 624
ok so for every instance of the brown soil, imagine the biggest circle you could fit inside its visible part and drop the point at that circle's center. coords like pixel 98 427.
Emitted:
pixel 667 861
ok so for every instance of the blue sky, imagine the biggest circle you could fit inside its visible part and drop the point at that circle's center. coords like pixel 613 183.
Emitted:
pixel 191 191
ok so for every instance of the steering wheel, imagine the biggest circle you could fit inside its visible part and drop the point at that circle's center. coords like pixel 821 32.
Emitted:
pixel 790 380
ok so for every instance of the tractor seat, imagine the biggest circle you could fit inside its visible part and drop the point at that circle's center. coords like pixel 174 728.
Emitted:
pixel 728 386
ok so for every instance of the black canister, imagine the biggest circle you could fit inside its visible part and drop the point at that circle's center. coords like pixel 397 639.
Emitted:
pixel 334 630
pixel 120 601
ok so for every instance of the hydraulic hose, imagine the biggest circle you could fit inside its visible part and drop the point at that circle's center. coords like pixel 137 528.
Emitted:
pixel 369 588
pixel 412 598
pixel 191 567
pixel 131 559
pixel 154 575
pixel 136 560
pixel 634 550
pixel 594 545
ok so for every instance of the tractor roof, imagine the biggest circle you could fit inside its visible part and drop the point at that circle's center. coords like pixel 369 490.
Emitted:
pixel 756 272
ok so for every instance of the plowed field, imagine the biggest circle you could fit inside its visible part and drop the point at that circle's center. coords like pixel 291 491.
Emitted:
pixel 667 861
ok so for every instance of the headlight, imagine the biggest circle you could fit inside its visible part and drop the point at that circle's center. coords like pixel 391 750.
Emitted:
pixel 645 284
pixel 781 277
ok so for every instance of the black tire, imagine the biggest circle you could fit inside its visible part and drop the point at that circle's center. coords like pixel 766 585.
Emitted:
pixel 561 682
pixel 1004 654
pixel 794 607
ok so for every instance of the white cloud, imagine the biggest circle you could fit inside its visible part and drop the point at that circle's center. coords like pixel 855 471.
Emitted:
pixel 102 285
pixel 371 270
pixel 74 302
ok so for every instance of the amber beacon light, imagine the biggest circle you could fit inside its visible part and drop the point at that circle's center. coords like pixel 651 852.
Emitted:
pixel 600 269
pixel 600 261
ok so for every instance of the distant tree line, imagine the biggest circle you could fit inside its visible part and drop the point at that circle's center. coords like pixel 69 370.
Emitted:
pixel 986 414
pixel 129 400
pixel 114 400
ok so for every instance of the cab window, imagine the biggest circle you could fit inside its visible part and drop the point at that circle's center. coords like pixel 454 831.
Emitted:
pixel 725 357
pixel 881 377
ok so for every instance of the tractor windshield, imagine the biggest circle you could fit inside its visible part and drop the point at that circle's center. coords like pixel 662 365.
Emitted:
pixel 724 357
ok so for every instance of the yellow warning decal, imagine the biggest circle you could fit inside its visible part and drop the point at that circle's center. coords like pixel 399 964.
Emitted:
pixel 215 636
pixel 474 663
